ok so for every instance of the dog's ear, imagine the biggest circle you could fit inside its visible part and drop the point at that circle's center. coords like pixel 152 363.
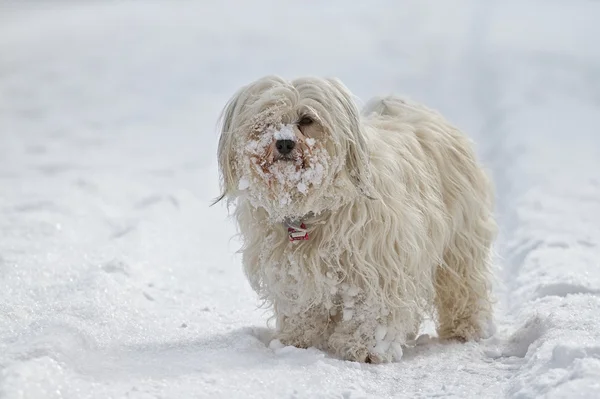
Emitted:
pixel 232 117
pixel 357 152
pixel 224 152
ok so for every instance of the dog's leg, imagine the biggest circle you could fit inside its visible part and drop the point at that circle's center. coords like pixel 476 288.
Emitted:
pixel 367 334
pixel 307 329
pixel 463 287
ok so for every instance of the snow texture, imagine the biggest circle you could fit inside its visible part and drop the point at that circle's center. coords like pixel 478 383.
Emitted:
pixel 117 280
pixel 286 132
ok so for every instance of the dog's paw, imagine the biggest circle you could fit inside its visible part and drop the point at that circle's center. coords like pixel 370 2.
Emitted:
pixel 347 348
pixel 377 358
pixel 364 355
pixel 297 341
pixel 385 352
pixel 466 330
pixel 353 354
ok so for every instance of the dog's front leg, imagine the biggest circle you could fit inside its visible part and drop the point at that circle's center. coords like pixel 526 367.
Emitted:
pixel 309 328
pixel 366 334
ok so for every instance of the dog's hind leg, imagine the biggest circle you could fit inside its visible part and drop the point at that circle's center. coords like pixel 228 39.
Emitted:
pixel 463 285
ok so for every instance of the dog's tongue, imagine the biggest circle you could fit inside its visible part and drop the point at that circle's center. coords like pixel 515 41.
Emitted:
pixel 297 232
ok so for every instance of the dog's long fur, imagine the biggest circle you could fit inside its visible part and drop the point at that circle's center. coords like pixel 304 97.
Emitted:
pixel 400 226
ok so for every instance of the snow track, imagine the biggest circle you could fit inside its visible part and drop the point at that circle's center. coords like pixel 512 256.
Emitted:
pixel 117 279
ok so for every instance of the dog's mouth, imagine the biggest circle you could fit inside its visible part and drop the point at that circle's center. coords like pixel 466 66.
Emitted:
pixel 285 158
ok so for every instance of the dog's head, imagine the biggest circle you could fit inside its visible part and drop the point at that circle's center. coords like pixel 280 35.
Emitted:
pixel 293 148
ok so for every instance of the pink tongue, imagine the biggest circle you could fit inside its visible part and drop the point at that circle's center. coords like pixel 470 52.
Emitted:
pixel 298 234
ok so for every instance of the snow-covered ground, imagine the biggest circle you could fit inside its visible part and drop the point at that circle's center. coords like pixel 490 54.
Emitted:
pixel 117 280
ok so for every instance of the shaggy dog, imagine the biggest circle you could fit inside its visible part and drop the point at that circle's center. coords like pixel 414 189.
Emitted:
pixel 355 226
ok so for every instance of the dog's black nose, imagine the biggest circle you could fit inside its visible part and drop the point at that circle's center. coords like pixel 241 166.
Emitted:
pixel 285 146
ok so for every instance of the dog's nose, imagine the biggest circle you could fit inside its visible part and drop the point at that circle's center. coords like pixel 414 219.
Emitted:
pixel 285 146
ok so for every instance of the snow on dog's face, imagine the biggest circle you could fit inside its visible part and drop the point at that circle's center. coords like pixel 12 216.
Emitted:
pixel 280 164
pixel 292 148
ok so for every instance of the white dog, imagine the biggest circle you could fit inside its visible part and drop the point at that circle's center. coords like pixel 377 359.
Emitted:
pixel 355 227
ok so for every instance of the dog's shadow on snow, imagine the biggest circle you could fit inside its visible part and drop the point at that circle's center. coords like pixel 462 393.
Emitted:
pixel 246 348
pixel 241 348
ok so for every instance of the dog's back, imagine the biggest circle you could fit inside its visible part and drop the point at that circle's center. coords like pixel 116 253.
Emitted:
pixel 392 106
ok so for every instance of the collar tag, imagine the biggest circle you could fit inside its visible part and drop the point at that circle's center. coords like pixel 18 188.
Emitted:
pixel 297 233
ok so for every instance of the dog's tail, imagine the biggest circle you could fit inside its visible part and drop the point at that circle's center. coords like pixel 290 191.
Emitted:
pixel 392 106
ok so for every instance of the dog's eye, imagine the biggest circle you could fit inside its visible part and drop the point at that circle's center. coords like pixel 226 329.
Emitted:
pixel 305 121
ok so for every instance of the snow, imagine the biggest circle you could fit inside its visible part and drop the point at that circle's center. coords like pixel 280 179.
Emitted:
pixel 286 132
pixel 118 280
pixel 243 184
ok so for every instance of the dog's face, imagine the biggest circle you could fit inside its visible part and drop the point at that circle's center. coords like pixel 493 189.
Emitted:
pixel 292 148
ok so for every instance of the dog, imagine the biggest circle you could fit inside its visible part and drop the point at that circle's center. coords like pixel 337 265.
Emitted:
pixel 356 226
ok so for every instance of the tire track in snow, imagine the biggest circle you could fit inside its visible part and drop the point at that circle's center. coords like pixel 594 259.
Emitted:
pixel 549 312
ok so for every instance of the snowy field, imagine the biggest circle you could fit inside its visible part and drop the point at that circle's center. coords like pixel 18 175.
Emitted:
pixel 117 280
